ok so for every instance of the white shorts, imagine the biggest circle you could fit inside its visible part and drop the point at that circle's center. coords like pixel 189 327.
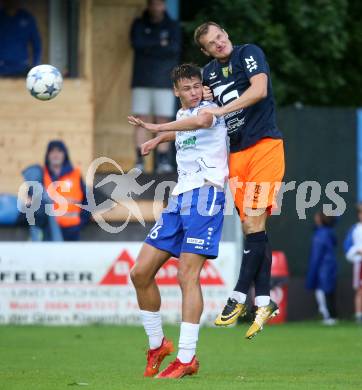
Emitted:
pixel 357 275
pixel 153 101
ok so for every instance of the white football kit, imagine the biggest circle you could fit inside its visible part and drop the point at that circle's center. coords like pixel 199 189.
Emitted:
pixel 201 154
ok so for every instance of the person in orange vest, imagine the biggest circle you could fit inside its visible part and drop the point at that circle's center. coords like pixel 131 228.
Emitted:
pixel 65 186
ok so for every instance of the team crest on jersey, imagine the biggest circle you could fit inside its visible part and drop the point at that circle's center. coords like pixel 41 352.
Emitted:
pixel 227 70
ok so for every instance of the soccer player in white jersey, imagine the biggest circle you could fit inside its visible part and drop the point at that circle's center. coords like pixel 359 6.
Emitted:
pixel 189 228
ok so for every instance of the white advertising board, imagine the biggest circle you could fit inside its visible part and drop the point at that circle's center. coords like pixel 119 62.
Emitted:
pixel 84 283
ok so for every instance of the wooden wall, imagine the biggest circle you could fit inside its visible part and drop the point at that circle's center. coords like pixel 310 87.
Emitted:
pixel 27 125
pixel 90 113
pixel 112 63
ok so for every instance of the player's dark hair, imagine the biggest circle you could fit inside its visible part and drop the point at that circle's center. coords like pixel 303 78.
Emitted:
pixel 202 30
pixel 185 71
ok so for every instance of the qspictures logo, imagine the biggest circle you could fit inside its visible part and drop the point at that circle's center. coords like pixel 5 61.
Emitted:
pixel 307 195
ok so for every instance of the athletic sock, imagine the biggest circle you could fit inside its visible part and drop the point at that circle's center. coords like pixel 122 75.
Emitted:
pixel 238 296
pixel 189 334
pixel 322 304
pixel 263 275
pixel 254 252
pixel 262 300
pixel 152 323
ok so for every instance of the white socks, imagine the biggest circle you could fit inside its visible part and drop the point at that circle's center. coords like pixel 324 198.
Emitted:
pixel 322 304
pixel 189 334
pixel 152 323
pixel 238 296
pixel 262 300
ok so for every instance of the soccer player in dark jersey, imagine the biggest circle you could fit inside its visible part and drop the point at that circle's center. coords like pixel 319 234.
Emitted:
pixel 238 80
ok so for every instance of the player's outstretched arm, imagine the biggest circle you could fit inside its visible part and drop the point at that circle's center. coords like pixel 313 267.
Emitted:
pixel 152 144
pixel 203 120
pixel 257 91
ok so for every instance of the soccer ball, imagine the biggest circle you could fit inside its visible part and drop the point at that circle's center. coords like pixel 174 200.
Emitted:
pixel 44 82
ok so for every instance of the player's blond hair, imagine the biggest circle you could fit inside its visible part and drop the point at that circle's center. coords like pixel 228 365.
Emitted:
pixel 202 30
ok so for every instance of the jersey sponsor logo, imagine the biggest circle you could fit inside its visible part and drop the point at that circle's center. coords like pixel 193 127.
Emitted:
pixel 216 82
pixel 212 75
pixel 203 164
pixel 189 143
pixel 197 241
pixel 232 114
pixel 225 97
pixel 234 124
pixel 251 64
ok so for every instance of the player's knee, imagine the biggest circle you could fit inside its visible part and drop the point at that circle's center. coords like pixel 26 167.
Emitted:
pixel 187 277
pixel 139 277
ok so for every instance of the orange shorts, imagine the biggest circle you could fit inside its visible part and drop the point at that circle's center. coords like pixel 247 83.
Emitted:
pixel 255 175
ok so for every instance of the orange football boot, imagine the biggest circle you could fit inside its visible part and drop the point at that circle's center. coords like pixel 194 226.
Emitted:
pixel 176 369
pixel 156 356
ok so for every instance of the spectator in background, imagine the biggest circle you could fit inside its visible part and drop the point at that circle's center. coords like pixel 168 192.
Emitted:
pixel 18 30
pixel 353 251
pixel 156 40
pixel 59 168
pixel 322 270
pixel 44 227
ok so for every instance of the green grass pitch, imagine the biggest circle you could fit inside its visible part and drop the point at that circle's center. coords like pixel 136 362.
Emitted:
pixel 293 356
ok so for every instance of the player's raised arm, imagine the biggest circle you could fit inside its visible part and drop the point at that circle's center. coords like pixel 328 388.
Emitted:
pixel 203 120
pixel 152 144
pixel 257 91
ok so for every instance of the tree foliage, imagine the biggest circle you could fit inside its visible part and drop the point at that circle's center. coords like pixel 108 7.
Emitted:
pixel 314 48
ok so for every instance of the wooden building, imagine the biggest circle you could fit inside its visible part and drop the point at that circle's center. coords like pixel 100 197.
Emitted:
pixel 90 112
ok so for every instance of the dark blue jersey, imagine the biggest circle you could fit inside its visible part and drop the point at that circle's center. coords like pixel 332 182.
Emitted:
pixel 230 80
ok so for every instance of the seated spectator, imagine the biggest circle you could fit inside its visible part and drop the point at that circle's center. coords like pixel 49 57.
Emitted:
pixel 353 251
pixel 322 270
pixel 156 40
pixel 18 30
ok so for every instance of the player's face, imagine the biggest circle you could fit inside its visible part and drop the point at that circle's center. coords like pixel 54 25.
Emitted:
pixel 189 91
pixel 216 43
pixel 56 156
